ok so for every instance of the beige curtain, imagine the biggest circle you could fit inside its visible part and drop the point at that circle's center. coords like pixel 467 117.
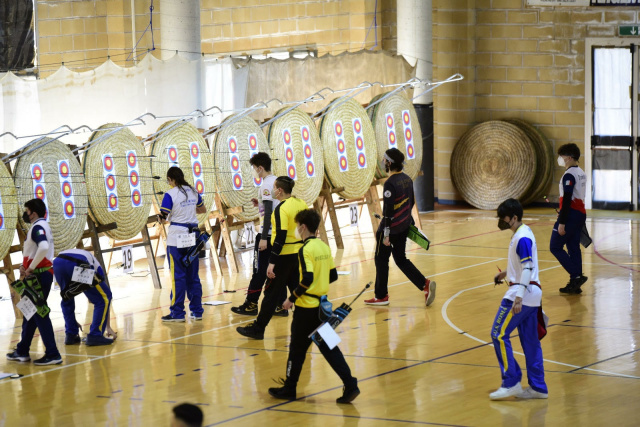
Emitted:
pixel 296 79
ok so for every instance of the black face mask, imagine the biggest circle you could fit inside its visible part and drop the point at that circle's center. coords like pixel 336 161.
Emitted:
pixel 503 225
pixel 25 217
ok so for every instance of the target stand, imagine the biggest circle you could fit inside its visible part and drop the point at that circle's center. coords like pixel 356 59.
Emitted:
pixel 325 206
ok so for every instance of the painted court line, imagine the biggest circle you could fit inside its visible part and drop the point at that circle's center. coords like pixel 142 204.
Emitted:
pixel 452 325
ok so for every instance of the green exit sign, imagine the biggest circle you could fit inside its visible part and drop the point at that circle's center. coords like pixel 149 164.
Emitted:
pixel 629 30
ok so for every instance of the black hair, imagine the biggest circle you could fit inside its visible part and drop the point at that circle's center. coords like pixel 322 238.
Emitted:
pixel 37 206
pixel 310 218
pixel 510 208
pixel 261 159
pixel 397 157
pixel 285 183
pixel 176 174
pixel 189 414
pixel 570 150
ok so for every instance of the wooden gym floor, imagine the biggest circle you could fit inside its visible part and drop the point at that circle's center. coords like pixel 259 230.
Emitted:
pixel 416 365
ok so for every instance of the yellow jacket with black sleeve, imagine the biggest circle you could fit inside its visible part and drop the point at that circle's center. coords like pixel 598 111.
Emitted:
pixel 283 228
pixel 317 270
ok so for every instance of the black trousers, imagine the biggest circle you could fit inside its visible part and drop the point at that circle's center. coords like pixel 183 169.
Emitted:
pixel 287 274
pixel 398 248
pixel 305 321
pixel 260 265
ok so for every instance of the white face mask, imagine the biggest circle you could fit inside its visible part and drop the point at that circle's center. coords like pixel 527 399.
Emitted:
pixel 561 161
pixel 297 234
pixel 255 173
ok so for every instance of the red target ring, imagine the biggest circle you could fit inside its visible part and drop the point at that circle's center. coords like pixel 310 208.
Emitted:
pixel 359 143
pixel 338 129
pixel 133 178
pixel 305 134
pixel 235 164
pixel 173 154
pixel 69 209
pixel 132 160
pixel 257 182
pixel 66 189
pixel 111 182
pixel 39 192
pixel 107 162
pixel 199 186
pixel 406 118
pixel 197 169
pixel 307 151
pixel 113 201
pixel 291 171
pixel 392 138
pixel 289 154
pixel 389 121
pixel 237 181
pixel 36 173
pixel 136 198
pixel 362 161
pixel 253 142
pixel 407 134
pixel 341 146
pixel 195 151
pixel 357 126
pixel 233 145
pixel 63 168
pixel 1 221
pixel 410 150
pixel 287 137
pixel 343 163
pixel 310 168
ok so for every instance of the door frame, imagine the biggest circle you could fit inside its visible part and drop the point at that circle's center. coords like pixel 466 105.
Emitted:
pixel 589 44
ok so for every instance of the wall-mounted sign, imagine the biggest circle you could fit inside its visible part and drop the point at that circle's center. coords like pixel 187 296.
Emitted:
pixel 629 30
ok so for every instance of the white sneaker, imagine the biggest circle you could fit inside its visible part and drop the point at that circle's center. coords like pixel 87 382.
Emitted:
pixel 429 292
pixel 194 317
pixel 503 392
pixel 530 393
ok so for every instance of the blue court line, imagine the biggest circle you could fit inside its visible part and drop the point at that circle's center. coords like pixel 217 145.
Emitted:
pixel 605 360
pixel 366 418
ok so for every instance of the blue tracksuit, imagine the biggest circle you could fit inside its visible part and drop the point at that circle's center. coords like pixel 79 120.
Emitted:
pixel 99 296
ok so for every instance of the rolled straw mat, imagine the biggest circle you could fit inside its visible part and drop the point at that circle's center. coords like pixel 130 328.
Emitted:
pixel 182 145
pixel 55 169
pixel 492 162
pixel 346 164
pixel 296 151
pixel 396 125
pixel 127 162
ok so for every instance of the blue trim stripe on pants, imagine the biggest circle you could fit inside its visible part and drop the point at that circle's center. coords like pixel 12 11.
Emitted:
pixel 184 280
pixel 527 324
pixel 100 296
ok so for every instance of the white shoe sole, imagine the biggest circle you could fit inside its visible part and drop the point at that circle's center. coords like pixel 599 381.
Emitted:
pixel 377 303
pixel 19 360
pixel 173 320
pixel 432 293
pixel 53 362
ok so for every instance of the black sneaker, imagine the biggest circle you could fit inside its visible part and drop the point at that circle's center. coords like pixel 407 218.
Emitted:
pixel 573 287
pixel 93 340
pixel 169 318
pixel 16 357
pixel 71 339
pixel 348 394
pixel 285 392
pixel 281 312
pixel 48 360
pixel 250 331
pixel 249 308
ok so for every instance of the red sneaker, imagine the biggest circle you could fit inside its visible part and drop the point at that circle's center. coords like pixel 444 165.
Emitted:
pixel 377 301
pixel 429 292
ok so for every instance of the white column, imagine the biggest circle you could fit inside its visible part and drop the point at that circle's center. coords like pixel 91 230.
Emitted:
pixel 414 39
pixel 180 28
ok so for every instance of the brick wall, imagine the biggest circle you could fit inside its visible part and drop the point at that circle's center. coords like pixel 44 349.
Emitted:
pixel 331 26
pixel 83 33
pixel 528 64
